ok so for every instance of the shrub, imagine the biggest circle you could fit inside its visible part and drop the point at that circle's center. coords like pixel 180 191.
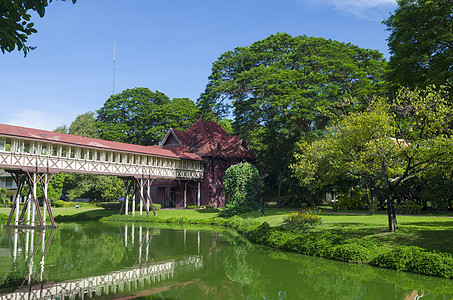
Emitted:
pixel 416 260
pixel 412 209
pixel 353 253
pixel 110 205
pixel 241 186
pixel 308 218
pixel 59 203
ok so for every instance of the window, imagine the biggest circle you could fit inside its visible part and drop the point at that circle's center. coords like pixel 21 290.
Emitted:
pixel 7 144
pixel 71 152
pixel 44 149
pixel 8 182
pixel 26 148
pixel 64 151
pixel 2 144
pixel 90 155
pixel 82 153
pixel 98 155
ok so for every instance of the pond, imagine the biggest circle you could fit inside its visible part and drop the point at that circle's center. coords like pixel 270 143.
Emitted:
pixel 93 260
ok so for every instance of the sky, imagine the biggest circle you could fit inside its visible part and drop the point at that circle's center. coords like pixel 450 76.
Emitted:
pixel 168 46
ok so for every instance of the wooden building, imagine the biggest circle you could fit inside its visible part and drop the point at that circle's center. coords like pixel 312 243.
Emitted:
pixel 217 148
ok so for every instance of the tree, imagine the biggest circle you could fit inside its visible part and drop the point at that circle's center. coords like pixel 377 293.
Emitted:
pixel 140 116
pixel 421 43
pixel 283 87
pixel 84 125
pixel 388 144
pixel 15 23
pixel 242 187
pixel 3 197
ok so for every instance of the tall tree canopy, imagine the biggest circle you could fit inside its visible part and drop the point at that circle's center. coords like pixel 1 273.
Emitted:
pixel 421 43
pixel 15 22
pixel 140 116
pixel 84 125
pixel 281 87
pixel 386 144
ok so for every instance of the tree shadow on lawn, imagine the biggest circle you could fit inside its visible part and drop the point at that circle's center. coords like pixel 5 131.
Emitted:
pixel 354 230
pixel 207 211
pixel 92 215
pixel 443 224
pixel 441 240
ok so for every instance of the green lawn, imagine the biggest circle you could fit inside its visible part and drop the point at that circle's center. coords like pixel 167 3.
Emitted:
pixel 433 233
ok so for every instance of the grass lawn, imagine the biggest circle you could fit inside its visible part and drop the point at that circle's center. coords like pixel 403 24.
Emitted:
pixel 433 233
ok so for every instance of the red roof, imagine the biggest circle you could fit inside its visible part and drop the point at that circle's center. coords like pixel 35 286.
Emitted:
pixel 69 139
pixel 206 138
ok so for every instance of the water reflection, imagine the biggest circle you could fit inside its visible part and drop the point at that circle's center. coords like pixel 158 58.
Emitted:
pixel 95 260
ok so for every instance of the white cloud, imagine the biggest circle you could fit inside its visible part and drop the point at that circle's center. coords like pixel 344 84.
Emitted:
pixel 361 8
pixel 35 119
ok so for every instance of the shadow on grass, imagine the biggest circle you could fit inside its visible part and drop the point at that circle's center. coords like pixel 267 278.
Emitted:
pixel 447 224
pixel 93 215
pixel 207 210
pixel 441 240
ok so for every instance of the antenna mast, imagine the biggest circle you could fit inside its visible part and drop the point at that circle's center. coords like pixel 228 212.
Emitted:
pixel 113 91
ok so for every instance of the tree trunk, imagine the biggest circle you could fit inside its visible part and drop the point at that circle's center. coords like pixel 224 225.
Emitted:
pixel 393 225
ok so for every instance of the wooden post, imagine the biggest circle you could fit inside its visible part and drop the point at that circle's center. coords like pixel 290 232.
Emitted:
pixel 198 195
pixel 185 194
pixel 45 180
pixel 133 199
pixel 150 198
pixel 141 195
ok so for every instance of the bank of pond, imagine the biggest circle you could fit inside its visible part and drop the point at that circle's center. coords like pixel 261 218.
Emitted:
pixel 184 261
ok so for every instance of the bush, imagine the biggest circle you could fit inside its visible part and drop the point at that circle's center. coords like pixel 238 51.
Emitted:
pixel 60 203
pixel 416 260
pixel 308 218
pixel 352 253
pixel 110 205
pixel 411 209
pixel 241 186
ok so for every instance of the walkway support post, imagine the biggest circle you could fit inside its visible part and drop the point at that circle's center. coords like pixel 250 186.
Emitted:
pixel 198 194
pixel 150 199
pixel 185 194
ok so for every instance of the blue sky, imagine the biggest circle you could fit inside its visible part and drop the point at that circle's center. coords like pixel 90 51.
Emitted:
pixel 167 46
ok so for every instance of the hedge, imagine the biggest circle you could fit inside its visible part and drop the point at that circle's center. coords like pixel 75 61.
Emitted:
pixel 117 206
pixel 326 245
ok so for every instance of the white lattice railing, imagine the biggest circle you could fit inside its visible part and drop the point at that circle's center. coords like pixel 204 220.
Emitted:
pixel 161 168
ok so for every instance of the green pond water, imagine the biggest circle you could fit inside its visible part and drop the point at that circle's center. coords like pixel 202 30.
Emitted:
pixel 93 260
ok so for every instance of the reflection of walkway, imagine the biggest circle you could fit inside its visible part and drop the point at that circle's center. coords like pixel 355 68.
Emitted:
pixel 145 272
pixel 111 283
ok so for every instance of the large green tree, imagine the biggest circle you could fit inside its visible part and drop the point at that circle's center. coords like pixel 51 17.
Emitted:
pixel 421 43
pixel 140 116
pixel 16 25
pixel 283 87
pixel 84 125
pixel 389 144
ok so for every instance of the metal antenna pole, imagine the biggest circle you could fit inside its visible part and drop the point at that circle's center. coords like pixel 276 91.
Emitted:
pixel 113 91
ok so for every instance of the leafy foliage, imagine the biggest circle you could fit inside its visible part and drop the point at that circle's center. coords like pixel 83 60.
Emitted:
pixel 386 144
pixel 420 43
pixel 4 201
pixel 84 125
pixel 140 116
pixel 242 187
pixel 15 23
pixel 283 87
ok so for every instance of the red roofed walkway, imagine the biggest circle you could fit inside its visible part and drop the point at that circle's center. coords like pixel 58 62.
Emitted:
pixel 34 156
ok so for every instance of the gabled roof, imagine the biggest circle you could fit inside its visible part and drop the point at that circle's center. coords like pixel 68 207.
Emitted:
pixel 74 140
pixel 206 138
